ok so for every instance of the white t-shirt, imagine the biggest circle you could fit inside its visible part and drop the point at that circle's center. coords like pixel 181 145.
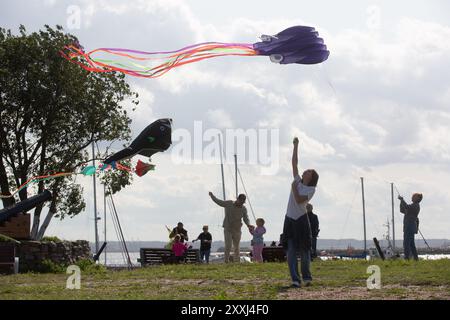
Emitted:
pixel 295 210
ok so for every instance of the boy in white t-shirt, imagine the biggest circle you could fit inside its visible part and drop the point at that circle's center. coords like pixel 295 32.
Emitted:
pixel 297 230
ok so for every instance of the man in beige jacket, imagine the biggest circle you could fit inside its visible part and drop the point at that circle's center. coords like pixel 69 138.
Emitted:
pixel 235 212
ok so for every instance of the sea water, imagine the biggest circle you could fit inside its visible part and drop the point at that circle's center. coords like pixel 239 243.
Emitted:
pixel 117 259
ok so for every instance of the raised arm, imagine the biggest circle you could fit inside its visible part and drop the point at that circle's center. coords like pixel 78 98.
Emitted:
pixel 298 198
pixel 403 205
pixel 295 158
pixel 217 201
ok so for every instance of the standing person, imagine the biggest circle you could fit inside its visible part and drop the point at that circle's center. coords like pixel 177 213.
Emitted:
pixel 205 244
pixel 314 222
pixel 258 239
pixel 179 249
pixel 410 224
pixel 179 229
pixel 235 212
pixel 296 230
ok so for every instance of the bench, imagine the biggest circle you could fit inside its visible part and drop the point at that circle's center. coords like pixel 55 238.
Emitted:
pixel 155 256
pixel 7 258
pixel 273 254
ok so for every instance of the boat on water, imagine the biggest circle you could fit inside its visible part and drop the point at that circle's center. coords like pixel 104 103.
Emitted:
pixel 219 257
pixel 387 252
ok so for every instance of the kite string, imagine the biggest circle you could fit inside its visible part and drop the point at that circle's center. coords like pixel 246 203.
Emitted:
pixel 37 179
pixel 348 214
pixel 246 193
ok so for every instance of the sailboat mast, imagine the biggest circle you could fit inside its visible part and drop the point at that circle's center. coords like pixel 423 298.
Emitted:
pixel 388 227
pixel 95 202
pixel 364 214
pixel 236 174
pixel 221 167
pixel 104 218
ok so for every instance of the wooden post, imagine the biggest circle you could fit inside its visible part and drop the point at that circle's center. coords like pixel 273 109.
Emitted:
pixel 393 219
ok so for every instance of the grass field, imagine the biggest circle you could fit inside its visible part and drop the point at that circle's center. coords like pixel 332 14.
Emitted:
pixel 332 280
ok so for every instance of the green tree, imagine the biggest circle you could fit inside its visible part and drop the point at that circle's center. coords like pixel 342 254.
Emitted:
pixel 50 112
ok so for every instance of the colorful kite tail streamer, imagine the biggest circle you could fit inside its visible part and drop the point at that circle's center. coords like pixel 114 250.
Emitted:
pixel 35 180
pixel 170 59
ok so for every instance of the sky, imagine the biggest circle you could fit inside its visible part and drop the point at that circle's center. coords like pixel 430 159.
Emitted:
pixel 379 108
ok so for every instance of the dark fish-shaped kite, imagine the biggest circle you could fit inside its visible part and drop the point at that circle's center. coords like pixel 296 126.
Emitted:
pixel 157 137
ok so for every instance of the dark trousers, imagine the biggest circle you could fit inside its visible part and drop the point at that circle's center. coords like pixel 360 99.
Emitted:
pixel 180 259
pixel 409 245
pixel 298 236
pixel 204 255
pixel 305 262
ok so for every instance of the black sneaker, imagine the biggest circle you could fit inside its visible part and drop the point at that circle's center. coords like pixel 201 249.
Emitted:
pixel 296 284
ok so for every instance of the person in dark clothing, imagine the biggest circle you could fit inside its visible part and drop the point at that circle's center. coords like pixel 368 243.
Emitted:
pixel 205 244
pixel 179 229
pixel 283 241
pixel 410 224
pixel 314 223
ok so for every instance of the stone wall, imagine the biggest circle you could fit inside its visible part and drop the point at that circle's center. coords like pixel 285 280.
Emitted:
pixel 32 253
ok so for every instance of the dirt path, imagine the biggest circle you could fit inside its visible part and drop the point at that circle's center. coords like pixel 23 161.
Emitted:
pixel 360 293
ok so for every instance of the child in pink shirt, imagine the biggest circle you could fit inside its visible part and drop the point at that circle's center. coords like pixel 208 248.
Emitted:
pixel 258 240
pixel 179 249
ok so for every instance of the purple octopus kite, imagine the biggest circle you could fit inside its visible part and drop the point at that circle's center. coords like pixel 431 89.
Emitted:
pixel 299 44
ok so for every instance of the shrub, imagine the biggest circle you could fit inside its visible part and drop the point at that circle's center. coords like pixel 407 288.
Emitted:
pixel 89 266
pixel 51 239
pixel 48 266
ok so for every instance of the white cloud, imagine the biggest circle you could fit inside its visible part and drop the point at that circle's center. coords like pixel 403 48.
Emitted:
pixel 49 3
pixel 405 53
pixel 220 118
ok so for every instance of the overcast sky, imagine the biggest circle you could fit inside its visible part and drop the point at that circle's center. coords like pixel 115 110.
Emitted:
pixel 379 108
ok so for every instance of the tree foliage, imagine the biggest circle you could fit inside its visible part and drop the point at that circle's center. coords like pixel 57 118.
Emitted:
pixel 51 111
